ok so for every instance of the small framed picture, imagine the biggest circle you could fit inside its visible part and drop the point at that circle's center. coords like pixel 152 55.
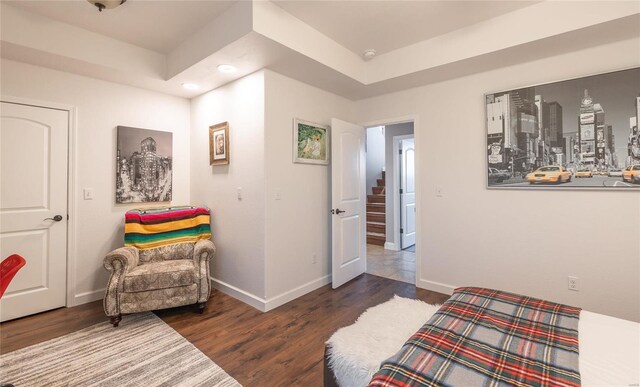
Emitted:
pixel 219 144
pixel 310 142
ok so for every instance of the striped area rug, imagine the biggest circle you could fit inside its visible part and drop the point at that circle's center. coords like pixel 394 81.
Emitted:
pixel 142 351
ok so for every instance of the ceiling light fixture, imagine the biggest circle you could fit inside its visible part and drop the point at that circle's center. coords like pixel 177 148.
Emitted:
pixel 190 86
pixel 106 4
pixel 226 68
pixel 369 53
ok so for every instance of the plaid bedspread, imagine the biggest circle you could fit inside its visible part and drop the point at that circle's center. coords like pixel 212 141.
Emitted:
pixel 483 337
pixel 158 227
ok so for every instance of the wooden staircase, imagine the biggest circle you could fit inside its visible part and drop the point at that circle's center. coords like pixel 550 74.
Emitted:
pixel 376 225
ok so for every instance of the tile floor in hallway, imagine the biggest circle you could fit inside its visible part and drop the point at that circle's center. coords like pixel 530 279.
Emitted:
pixel 397 265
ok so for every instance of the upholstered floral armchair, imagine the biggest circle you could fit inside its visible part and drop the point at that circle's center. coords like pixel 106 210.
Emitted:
pixel 164 264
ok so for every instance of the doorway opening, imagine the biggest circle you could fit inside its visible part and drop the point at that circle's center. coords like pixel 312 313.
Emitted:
pixel 390 215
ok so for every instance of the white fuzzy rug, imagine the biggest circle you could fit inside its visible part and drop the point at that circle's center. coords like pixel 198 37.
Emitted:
pixel 357 351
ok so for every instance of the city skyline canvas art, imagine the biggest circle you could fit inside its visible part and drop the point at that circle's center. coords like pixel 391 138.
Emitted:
pixel 578 133
pixel 143 165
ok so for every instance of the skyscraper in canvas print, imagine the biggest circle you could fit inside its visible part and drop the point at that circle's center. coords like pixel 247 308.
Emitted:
pixel 579 133
pixel 143 165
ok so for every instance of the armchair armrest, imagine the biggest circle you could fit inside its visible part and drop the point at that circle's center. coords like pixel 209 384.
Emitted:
pixel 122 259
pixel 204 250
pixel 118 262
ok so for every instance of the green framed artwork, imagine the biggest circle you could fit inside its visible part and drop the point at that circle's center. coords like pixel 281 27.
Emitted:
pixel 310 142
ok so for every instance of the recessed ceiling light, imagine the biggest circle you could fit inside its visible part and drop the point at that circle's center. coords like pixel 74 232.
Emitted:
pixel 190 86
pixel 226 68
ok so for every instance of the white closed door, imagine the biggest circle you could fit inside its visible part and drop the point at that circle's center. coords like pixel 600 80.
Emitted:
pixel 408 194
pixel 348 194
pixel 33 206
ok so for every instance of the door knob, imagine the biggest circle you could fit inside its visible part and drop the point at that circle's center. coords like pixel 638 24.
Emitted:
pixel 339 211
pixel 56 218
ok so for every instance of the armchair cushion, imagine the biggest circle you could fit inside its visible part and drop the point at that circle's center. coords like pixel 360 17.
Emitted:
pixel 177 251
pixel 160 275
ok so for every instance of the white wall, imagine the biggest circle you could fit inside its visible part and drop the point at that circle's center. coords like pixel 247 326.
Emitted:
pixel 375 156
pixel 101 107
pixel 238 226
pixel 298 225
pixel 392 131
pixel 523 241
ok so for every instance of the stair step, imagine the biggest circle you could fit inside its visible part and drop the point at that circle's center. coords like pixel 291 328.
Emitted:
pixel 377 207
pixel 380 182
pixel 376 217
pixel 376 238
pixel 374 227
pixel 375 199
pixel 378 190
pixel 377 242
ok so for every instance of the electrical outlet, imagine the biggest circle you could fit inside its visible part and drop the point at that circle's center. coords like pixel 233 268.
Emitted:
pixel 314 258
pixel 439 191
pixel 239 192
pixel 573 283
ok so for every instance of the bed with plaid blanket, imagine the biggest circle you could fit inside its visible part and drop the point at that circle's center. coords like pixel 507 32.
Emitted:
pixel 484 337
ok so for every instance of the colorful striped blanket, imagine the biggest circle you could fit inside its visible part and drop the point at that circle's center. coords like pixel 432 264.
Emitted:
pixel 483 337
pixel 152 228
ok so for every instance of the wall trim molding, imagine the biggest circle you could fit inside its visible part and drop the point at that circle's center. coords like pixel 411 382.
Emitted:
pixel 239 294
pixel 265 305
pixel 391 246
pixel 292 294
pixel 436 286
pixel 86 297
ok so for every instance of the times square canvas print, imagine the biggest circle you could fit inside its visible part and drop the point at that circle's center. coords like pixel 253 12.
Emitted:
pixel 143 165
pixel 578 133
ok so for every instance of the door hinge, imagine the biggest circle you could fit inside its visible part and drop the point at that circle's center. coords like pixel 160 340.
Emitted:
pixel 67 216
pixel 400 151
pixel 400 190
pixel 401 231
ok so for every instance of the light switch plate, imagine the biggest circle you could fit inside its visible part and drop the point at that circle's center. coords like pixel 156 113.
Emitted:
pixel 87 193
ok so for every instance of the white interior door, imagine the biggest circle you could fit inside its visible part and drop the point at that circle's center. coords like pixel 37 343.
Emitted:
pixel 408 195
pixel 348 202
pixel 33 166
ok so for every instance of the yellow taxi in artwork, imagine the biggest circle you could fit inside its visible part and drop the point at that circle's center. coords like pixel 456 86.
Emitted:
pixel 631 174
pixel 549 174
pixel 584 173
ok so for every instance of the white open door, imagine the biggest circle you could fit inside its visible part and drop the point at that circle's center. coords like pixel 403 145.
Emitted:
pixel 408 194
pixel 348 202
pixel 33 206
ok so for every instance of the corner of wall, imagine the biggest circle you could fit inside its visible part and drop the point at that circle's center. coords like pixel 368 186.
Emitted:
pixel 235 192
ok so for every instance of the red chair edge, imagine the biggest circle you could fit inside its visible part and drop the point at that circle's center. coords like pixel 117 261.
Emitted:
pixel 8 269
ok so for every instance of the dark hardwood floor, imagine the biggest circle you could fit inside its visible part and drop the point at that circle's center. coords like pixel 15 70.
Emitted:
pixel 284 346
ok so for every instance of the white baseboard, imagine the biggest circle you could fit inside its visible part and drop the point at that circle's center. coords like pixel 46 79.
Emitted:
pixel 264 305
pixel 239 294
pixel 292 294
pixel 436 286
pixel 87 297
pixel 391 246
